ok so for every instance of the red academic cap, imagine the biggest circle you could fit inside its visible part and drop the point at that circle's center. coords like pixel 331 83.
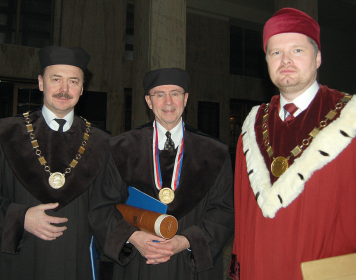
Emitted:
pixel 289 20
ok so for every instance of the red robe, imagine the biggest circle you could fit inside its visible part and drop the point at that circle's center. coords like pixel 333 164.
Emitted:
pixel 311 214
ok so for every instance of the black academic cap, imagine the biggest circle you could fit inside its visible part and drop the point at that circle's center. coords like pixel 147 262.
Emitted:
pixel 166 76
pixel 53 55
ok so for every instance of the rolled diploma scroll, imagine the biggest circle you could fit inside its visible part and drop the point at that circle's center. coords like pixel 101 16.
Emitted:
pixel 155 223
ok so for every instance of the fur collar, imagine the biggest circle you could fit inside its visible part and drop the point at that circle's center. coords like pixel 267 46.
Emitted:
pixel 59 149
pixel 320 152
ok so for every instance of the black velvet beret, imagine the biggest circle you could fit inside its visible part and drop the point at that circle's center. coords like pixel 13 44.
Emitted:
pixel 166 76
pixel 53 55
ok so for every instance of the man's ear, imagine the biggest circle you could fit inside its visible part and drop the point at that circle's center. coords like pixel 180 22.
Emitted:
pixel 318 59
pixel 148 100
pixel 186 98
pixel 40 82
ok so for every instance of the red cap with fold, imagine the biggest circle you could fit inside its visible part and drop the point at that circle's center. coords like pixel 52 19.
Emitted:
pixel 289 20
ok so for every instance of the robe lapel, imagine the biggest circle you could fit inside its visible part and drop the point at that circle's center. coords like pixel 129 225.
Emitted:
pixel 59 149
pixel 202 161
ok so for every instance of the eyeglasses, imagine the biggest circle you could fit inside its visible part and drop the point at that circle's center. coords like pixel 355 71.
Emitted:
pixel 162 95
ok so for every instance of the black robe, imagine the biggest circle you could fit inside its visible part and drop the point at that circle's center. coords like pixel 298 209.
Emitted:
pixel 24 184
pixel 203 206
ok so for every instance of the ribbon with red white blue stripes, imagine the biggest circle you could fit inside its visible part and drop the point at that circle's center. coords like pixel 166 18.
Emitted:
pixel 177 162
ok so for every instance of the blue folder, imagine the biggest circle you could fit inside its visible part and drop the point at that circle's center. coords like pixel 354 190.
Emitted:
pixel 93 258
pixel 144 201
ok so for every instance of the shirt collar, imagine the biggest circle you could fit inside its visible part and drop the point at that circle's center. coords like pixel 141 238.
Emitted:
pixel 49 117
pixel 302 101
pixel 176 135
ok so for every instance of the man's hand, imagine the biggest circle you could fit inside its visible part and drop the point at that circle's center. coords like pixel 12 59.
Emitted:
pixel 142 241
pixel 158 252
pixel 39 223
pixel 167 248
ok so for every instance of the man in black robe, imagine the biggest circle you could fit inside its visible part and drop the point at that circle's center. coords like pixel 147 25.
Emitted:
pixel 50 161
pixel 202 188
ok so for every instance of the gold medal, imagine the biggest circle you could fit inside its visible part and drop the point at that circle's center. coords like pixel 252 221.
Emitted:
pixel 279 166
pixel 166 195
pixel 56 180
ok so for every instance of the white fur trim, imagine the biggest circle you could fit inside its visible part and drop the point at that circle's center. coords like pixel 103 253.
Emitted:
pixel 290 185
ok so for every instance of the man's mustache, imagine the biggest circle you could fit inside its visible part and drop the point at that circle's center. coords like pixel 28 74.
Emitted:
pixel 62 94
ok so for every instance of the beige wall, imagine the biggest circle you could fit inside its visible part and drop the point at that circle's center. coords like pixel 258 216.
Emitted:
pixel 159 42
pixel 99 27
pixel 19 62
pixel 208 67
pixel 208 64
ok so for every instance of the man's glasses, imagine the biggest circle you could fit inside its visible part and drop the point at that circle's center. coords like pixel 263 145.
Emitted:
pixel 162 95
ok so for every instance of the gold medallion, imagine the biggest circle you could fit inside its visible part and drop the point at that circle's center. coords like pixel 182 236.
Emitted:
pixel 166 195
pixel 56 180
pixel 279 166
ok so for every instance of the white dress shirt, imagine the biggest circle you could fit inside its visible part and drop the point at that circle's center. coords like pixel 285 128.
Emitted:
pixel 176 135
pixel 302 101
pixel 49 117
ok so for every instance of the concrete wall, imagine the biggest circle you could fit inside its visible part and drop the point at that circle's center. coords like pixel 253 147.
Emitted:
pixel 18 61
pixel 159 42
pixel 338 40
pixel 208 64
pixel 99 28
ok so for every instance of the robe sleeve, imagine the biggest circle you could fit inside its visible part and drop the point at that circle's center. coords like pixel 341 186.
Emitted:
pixel 13 234
pixel 210 234
pixel 111 230
pixel 12 216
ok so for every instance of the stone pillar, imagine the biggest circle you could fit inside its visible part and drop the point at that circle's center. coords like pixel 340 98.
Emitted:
pixel 99 28
pixel 159 42
pixel 310 7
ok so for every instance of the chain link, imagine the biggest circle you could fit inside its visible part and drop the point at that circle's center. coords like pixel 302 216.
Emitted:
pixel 38 151
pixel 306 141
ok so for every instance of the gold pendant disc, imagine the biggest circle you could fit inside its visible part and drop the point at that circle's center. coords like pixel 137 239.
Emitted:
pixel 56 180
pixel 166 195
pixel 279 166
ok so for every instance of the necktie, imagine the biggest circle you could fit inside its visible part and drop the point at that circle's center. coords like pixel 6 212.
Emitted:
pixel 61 123
pixel 169 145
pixel 291 109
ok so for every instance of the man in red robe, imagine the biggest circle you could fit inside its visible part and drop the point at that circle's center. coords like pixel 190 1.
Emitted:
pixel 295 176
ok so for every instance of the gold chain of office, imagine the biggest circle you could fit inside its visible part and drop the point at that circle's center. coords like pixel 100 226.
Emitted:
pixel 280 164
pixel 56 180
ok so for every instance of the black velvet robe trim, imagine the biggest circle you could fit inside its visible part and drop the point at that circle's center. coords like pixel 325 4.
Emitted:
pixel 284 136
pixel 197 171
pixel 127 253
pixel 4 206
pixel 203 260
pixel 14 220
pixel 59 149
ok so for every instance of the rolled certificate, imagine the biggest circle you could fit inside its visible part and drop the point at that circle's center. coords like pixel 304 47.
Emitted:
pixel 155 223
